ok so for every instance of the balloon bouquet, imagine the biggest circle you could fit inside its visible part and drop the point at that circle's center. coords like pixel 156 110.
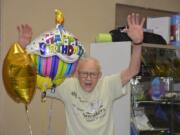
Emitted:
pixel 46 62
pixel 55 54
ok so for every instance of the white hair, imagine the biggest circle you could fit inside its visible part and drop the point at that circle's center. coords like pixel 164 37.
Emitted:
pixel 89 59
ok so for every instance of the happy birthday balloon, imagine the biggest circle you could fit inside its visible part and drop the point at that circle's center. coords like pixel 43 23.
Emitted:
pixel 55 53
pixel 19 75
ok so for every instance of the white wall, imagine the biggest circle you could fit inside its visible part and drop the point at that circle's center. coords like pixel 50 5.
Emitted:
pixel 115 57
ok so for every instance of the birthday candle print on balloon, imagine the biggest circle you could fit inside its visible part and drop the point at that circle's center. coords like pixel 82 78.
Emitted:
pixel 55 53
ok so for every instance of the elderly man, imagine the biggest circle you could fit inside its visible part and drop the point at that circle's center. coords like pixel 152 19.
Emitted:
pixel 88 97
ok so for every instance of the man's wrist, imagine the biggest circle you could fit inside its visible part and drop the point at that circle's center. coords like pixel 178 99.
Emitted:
pixel 139 43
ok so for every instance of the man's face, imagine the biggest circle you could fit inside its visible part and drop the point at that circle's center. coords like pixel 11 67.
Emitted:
pixel 88 75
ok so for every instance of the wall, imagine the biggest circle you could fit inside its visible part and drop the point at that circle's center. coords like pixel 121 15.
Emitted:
pixel 167 5
pixel 84 19
pixel 110 65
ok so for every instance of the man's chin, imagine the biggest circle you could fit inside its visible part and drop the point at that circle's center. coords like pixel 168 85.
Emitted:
pixel 89 90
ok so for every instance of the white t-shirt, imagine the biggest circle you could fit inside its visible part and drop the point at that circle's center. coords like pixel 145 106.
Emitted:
pixel 89 113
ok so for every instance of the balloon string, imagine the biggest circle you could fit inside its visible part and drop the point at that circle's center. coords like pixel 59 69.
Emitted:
pixel 28 119
pixel 50 118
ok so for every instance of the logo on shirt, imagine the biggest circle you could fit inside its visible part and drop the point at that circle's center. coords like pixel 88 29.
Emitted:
pixel 89 110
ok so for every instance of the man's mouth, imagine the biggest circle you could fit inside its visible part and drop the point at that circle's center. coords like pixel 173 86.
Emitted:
pixel 88 84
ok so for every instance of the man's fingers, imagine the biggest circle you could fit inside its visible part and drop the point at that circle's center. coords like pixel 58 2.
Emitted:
pixel 142 22
pixel 133 18
pixel 29 29
pixel 24 29
pixel 129 20
pixel 18 28
pixel 136 18
pixel 25 34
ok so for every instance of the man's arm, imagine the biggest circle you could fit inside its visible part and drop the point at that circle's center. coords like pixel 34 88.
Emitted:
pixel 136 33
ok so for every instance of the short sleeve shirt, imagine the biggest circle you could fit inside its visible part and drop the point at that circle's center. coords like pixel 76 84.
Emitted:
pixel 90 113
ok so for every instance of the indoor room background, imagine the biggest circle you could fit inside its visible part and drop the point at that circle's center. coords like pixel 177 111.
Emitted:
pixel 85 19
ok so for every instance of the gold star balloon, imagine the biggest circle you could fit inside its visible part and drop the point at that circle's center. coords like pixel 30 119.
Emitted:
pixel 19 75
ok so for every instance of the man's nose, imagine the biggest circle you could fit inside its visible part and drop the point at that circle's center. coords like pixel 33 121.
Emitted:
pixel 88 76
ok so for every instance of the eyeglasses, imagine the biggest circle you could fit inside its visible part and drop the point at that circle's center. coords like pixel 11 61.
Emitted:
pixel 86 74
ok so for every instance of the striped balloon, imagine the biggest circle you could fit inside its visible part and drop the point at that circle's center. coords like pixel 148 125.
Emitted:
pixel 52 68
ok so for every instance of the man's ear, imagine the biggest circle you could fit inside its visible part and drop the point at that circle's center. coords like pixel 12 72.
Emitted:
pixel 100 74
pixel 76 74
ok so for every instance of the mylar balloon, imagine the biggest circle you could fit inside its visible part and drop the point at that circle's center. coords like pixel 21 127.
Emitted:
pixel 55 53
pixel 19 74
